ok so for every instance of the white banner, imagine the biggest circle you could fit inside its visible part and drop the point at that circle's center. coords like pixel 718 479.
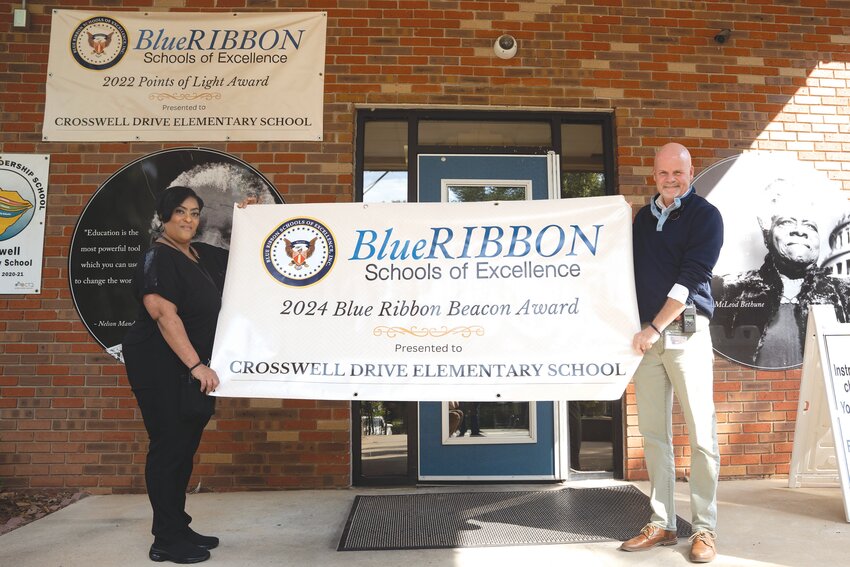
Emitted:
pixel 496 301
pixel 168 76
pixel 23 207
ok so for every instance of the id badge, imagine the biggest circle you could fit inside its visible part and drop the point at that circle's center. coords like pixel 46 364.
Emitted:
pixel 675 339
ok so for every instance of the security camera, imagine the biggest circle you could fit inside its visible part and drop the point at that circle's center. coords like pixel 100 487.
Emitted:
pixel 722 35
pixel 505 46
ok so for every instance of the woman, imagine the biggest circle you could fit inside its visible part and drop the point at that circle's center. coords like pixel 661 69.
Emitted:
pixel 179 284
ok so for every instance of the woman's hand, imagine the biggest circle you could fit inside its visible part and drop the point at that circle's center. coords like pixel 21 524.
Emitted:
pixel 207 377
pixel 250 200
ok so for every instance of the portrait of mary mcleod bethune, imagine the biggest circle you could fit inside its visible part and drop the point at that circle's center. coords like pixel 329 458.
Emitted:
pixel 786 246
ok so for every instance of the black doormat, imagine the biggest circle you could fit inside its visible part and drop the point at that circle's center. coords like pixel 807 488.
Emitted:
pixel 477 519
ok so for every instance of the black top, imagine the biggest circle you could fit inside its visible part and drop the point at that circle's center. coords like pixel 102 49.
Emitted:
pixel 195 288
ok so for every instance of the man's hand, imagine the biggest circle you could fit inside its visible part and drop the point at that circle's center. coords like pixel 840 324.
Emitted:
pixel 247 201
pixel 643 340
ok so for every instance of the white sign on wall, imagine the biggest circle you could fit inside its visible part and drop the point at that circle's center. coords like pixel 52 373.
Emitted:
pixel 161 76
pixel 499 301
pixel 23 207
pixel 821 453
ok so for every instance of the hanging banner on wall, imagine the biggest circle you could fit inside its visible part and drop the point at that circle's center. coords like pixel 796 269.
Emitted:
pixel 787 246
pixel 499 301
pixel 161 76
pixel 23 207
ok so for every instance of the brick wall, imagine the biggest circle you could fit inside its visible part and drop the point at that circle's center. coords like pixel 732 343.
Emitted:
pixel 67 417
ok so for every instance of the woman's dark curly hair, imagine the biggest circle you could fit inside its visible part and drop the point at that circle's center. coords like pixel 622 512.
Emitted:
pixel 172 198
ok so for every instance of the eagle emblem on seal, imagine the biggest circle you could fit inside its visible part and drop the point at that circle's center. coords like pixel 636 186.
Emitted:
pixel 99 41
pixel 299 251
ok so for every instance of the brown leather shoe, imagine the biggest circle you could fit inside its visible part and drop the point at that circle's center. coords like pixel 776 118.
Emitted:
pixel 650 536
pixel 702 546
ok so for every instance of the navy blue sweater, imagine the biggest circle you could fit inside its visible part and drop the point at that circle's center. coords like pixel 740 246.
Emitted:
pixel 683 252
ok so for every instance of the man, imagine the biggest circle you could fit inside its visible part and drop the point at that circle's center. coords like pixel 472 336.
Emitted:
pixel 677 240
pixel 761 314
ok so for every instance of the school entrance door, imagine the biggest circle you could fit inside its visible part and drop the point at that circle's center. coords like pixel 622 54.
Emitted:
pixel 469 439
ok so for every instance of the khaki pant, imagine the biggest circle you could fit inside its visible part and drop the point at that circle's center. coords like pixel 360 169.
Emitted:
pixel 688 372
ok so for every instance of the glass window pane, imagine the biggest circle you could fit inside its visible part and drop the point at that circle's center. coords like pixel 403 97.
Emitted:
pixel 582 184
pixel 385 145
pixel 581 147
pixel 491 420
pixel 591 435
pixel 481 133
pixel 474 193
pixel 384 186
pixel 385 162
pixel 582 163
pixel 383 432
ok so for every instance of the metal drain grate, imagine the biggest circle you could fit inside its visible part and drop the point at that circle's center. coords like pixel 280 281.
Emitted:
pixel 476 519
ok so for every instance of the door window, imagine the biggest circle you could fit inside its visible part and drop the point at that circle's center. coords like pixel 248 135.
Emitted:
pixel 466 190
pixel 489 422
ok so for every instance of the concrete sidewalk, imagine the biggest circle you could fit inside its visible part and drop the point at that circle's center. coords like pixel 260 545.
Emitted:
pixel 762 523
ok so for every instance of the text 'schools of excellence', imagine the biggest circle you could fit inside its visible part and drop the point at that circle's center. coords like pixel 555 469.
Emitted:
pixel 126 76
pixel 485 301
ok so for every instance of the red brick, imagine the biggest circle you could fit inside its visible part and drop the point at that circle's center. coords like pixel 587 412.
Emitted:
pixel 426 52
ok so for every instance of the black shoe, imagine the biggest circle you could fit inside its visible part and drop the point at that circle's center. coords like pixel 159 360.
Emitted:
pixel 202 541
pixel 178 552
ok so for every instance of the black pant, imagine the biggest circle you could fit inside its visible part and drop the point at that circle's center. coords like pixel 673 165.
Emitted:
pixel 168 468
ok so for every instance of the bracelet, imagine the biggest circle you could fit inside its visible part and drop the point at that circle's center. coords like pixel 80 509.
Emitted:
pixel 199 363
pixel 651 324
